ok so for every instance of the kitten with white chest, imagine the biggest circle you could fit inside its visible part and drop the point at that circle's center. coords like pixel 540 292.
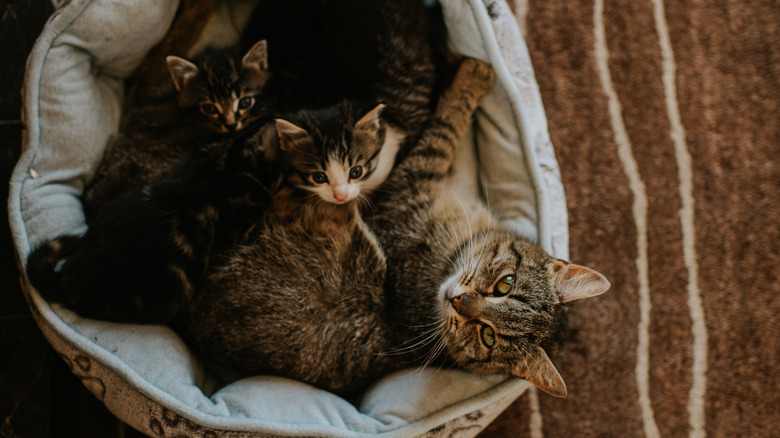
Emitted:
pixel 338 153
pixel 357 80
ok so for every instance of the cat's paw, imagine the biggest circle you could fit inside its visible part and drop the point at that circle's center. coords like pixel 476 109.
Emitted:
pixel 479 74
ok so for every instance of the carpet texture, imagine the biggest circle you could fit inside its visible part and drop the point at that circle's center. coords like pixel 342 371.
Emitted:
pixel 665 116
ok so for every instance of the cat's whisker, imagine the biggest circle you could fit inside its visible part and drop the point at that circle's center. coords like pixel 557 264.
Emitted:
pixel 428 336
pixel 433 353
pixel 452 264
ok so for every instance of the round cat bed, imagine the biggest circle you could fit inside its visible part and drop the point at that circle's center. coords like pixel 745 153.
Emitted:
pixel 146 375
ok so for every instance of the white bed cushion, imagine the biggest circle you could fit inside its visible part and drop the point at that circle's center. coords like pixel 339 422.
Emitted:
pixel 145 374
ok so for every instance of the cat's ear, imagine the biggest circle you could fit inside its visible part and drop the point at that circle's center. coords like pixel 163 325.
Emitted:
pixel 181 70
pixel 574 282
pixel 539 370
pixel 289 133
pixel 370 121
pixel 257 56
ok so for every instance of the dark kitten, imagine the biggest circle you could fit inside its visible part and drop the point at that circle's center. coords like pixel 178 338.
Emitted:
pixel 340 152
pixel 325 51
pixel 144 253
pixel 219 93
pixel 429 278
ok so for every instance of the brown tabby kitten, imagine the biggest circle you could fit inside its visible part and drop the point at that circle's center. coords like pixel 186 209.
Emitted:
pixel 342 309
pixel 217 94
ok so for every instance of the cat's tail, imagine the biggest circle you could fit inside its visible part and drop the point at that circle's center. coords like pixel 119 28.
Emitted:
pixel 43 263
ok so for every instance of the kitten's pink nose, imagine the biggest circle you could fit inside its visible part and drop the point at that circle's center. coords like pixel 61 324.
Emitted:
pixel 340 193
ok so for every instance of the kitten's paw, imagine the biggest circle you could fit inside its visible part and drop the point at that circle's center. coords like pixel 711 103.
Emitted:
pixel 479 73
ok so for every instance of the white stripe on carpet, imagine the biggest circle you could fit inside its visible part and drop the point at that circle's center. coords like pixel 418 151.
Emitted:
pixel 696 401
pixel 631 169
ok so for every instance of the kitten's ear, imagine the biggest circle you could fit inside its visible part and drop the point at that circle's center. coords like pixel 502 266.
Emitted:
pixel 539 370
pixel 257 56
pixel 370 121
pixel 181 70
pixel 288 133
pixel 574 282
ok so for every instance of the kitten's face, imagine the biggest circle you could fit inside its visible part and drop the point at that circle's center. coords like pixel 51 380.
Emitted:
pixel 335 158
pixel 225 90
pixel 501 303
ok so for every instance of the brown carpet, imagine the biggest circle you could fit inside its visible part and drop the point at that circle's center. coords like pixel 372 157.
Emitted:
pixel 677 201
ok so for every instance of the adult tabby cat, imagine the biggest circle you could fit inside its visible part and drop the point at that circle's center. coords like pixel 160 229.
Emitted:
pixel 424 277
pixel 218 93
pixel 145 252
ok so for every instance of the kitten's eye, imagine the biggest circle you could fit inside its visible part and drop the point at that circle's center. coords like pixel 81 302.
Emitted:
pixel 504 285
pixel 208 109
pixel 488 336
pixel 355 172
pixel 319 177
pixel 246 102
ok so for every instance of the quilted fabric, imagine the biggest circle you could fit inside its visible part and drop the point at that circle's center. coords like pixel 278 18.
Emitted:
pixel 145 374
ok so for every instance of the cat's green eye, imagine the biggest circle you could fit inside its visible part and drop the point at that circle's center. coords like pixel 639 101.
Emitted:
pixel 319 177
pixel 504 286
pixel 355 172
pixel 208 109
pixel 488 336
pixel 246 102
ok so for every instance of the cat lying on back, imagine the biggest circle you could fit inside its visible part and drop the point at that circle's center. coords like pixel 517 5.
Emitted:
pixel 218 93
pixel 425 277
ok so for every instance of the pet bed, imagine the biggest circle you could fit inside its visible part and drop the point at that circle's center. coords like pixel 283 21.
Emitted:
pixel 146 375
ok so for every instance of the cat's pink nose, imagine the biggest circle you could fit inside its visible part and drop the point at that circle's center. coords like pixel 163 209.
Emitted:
pixel 456 302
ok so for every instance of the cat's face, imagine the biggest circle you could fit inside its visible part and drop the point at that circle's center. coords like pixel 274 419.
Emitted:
pixel 336 158
pixel 501 303
pixel 225 90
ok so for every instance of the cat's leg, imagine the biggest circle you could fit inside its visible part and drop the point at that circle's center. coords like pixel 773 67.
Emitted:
pixel 433 156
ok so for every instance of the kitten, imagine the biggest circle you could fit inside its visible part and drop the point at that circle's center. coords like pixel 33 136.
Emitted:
pixel 342 309
pixel 218 94
pixel 222 88
pixel 144 253
pixel 340 152
pixel 329 57
pixel 326 51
